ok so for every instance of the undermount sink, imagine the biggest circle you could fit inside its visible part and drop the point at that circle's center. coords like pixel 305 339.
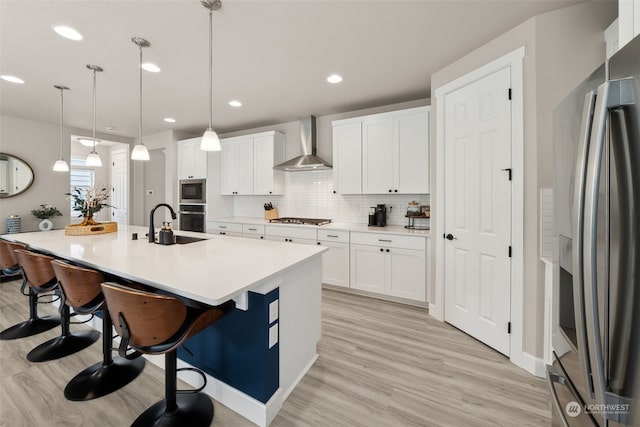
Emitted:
pixel 183 240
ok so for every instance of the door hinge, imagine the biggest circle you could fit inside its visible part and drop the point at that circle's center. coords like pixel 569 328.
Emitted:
pixel 509 251
pixel 509 171
pixel 509 93
pixel 509 327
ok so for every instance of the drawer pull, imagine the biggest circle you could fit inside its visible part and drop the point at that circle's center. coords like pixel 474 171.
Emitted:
pixel 332 235
pixel 253 229
pixel 222 226
pixel 384 240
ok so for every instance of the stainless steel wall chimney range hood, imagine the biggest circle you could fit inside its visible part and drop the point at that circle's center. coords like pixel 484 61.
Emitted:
pixel 307 161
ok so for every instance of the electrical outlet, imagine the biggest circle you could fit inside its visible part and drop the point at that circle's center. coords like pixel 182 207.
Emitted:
pixel 273 311
pixel 273 335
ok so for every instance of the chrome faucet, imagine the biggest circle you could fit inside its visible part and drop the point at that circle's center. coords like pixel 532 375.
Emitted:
pixel 152 231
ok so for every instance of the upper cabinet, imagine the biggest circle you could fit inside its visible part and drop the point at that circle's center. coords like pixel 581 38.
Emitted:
pixel 628 20
pixel 382 153
pixel 247 164
pixel 192 161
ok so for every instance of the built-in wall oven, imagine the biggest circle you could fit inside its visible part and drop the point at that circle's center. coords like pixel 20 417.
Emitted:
pixel 192 217
pixel 193 191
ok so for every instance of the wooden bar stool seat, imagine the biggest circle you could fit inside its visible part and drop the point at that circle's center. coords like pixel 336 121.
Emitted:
pixel 81 291
pixel 39 274
pixel 158 324
pixel 35 324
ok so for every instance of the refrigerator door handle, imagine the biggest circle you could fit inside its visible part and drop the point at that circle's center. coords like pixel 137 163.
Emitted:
pixel 611 94
pixel 554 377
pixel 578 233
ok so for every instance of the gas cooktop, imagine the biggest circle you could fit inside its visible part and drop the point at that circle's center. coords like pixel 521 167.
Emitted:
pixel 305 221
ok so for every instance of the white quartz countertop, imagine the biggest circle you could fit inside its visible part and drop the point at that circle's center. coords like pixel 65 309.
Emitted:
pixel 346 226
pixel 211 271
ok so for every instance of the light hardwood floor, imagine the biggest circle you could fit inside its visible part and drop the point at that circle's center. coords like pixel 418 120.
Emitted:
pixel 381 364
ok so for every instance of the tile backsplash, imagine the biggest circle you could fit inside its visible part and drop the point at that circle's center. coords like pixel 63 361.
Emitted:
pixel 310 195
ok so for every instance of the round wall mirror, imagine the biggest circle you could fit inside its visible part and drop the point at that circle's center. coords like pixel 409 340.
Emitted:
pixel 16 176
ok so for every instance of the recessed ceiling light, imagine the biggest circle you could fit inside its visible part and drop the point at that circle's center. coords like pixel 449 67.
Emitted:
pixel 169 120
pixel 67 32
pixel 12 79
pixel 150 67
pixel 235 103
pixel 334 78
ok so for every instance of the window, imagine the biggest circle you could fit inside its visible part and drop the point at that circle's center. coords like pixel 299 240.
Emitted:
pixel 80 176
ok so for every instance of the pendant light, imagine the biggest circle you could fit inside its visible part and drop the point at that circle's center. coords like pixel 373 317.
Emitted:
pixel 210 140
pixel 140 151
pixel 61 165
pixel 93 159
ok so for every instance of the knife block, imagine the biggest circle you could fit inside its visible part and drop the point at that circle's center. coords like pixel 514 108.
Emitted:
pixel 271 214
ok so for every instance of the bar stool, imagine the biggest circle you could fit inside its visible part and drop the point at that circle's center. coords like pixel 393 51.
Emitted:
pixel 39 273
pixel 35 324
pixel 158 324
pixel 81 291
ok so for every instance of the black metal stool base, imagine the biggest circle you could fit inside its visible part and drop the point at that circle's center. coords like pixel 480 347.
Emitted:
pixel 30 327
pixel 63 346
pixel 100 379
pixel 194 410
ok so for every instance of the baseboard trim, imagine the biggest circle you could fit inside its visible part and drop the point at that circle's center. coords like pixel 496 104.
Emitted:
pixel 533 365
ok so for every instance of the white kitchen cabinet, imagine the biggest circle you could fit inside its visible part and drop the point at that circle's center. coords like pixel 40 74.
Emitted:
pixel 224 228
pixel 628 20
pixel 390 265
pixel 395 152
pixel 237 166
pixel 382 153
pixel 247 164
pixel 286 233
pixel 192 161
pixel 347 156
pixel 335 261
pixel 612 38
pixel 268 150
pixel 253 231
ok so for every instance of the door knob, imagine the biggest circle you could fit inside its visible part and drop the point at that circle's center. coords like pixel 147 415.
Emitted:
pixel 450 237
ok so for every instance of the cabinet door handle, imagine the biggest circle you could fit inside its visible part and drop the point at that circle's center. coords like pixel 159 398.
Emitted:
pixel 384 240
pixel 253 229
pixel 318 242
pixel 331 235
pixel 262 237
pixel 395 191
pixel 388 250
pixel 390 191
pixel 381 250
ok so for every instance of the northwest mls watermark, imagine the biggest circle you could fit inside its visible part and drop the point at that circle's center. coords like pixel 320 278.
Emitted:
pixel 573 409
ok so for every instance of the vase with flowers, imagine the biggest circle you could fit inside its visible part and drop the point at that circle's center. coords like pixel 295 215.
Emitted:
pixel 44 212
pixel 88 201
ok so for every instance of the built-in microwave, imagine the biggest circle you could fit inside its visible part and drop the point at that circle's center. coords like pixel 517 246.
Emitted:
pixel 193 191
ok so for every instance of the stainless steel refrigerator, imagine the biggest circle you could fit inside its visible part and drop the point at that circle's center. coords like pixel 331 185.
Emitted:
pixel 595 376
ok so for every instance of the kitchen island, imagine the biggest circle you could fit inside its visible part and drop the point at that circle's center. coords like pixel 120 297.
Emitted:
pixel 253 357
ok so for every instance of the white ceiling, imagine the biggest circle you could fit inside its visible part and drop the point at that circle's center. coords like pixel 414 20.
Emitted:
pixel 273 56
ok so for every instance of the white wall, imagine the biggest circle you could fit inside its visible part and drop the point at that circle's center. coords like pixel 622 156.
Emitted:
pixel 38 144
pixel 561 49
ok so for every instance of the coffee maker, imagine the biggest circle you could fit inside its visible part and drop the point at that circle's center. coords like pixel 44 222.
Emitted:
pixel 378 216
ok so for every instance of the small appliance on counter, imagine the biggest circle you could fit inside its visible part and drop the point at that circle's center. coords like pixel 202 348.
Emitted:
pixel 165 235
pixel 378 216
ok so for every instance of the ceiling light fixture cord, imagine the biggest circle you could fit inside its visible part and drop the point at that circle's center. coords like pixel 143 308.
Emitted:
pixel 210 69
pixel 140 116
pixel 94 111
pixel 62 88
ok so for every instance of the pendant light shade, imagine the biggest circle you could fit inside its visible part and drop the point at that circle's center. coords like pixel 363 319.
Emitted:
pixel 210 140
pixel 61 165
pixel 93 159
pixel 140 151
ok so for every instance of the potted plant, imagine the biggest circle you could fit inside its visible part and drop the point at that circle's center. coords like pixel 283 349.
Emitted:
pixel 44 212
pixel 89 202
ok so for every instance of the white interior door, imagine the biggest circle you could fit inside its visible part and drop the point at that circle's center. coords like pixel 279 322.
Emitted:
pixel 478 209
pixel 119 186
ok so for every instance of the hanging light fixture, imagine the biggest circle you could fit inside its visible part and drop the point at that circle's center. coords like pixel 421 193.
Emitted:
pixel 93 159
pixel 140 151
pixel 61 165
pixel 210 140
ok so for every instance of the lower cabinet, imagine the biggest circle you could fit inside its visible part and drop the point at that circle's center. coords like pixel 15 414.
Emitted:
pixel 335 261
pixel 389 265
pixel 224 228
